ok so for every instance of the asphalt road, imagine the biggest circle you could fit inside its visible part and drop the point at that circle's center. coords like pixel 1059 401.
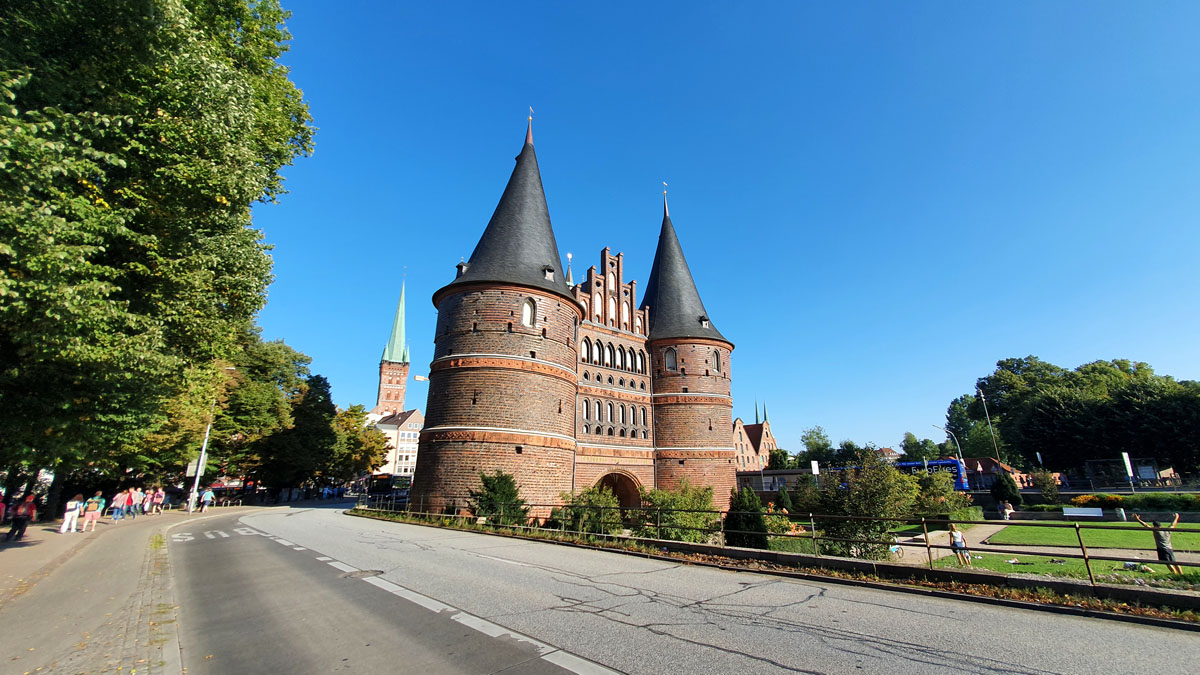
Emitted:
pixel 252 604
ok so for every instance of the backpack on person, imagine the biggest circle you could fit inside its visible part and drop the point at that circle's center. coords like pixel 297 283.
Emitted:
pixel 92 504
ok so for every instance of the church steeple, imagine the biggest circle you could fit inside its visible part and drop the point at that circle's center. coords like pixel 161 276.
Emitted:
pixel 396 350
pixel 518 246
pixel 675 306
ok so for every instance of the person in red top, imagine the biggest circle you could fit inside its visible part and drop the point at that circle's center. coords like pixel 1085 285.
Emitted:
pixel 22 514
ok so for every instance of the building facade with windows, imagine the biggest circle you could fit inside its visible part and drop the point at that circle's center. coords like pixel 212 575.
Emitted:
pixel 568 385
pixel 403 431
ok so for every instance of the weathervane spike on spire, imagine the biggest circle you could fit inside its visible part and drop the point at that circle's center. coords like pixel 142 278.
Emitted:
pixel 666 211
pixel 570 279
pixel 529 132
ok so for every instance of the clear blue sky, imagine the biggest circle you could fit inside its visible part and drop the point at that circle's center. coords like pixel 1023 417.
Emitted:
pixel 878 201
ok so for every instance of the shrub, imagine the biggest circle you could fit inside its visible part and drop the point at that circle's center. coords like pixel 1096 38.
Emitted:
pixel 499 500
pixel 596 510
pixel 1045 482
pixel 938 494
pixel 806 498
pixel 1005 489
pixel 782 499
pixel 875 489
pixel 745 525
pixel 686 514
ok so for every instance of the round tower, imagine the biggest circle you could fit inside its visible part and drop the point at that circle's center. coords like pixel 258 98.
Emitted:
pixel 691 378
pixel 502 384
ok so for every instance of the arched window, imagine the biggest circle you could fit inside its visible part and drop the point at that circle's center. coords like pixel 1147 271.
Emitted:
pixel 597 411
pixel 587 375
pixel 621 382
pixel 622 432
pixel 610 381
pixel 612 282
pixel 585 351
pixel 599 429
pixel 612 310
pixel 610 431
pixel 585 428
pixel 716 360
pixel 632 360
pixel 609 356
pixel 597 305
pixel 645 423
pixel 621 408
pixel 610 412
pixel 637 325
pixel 632 415
pixel 625 314
pixel 584 308
pixel 587 410
pixel 528 313
pixel 624 363
pixel 641 362
pixel 670 358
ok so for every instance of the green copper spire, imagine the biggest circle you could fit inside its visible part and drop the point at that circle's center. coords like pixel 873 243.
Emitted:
pixel 766 417
pixel 397 349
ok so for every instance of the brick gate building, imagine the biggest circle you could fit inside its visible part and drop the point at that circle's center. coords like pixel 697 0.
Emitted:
pixel 569 385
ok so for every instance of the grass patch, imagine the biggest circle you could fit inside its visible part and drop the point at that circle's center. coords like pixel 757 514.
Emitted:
pixel 791 544
pixel 157 542
pixel 1108 535
pixel 1106 571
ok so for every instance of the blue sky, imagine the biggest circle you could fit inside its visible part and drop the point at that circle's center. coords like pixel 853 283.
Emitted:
pixel 878 200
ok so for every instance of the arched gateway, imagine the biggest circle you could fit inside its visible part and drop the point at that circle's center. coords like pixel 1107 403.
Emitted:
pixel 624 486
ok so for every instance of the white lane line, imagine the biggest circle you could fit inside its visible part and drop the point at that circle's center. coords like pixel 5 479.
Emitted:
pixel 323 558
pixel 502 560
pixel 342 566
pixel 564 660
pixel 285 542
pixel 299 548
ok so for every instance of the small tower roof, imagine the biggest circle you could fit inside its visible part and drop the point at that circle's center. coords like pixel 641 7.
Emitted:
pixel 396 350
pixel 518 245
pixel 675 306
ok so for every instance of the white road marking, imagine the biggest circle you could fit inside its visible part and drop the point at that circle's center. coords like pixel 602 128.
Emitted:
pixel 342 566
pixel 285 542
pixel 247 530
pixel 564 660
pixel 182 536
pixel 212 534
pixel 502 560
pixel 299 548
pixel 324 558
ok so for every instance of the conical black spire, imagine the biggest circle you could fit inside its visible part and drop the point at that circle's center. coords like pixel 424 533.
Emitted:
pixel 518 246
pixel 675 306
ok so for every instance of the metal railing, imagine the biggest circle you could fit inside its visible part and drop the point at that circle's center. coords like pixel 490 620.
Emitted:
pixel 649 522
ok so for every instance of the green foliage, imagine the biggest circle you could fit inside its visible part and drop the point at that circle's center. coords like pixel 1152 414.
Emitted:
pixel 359 449
pixel 916 449
pixel 135 137
pixel 686 514
pixel 817 447
pixel 806 498
pixel 937 494
pixel 498 500
pixel 745 525
pixel 783 500
pixel 1150 501
pixel 1045 482
pixel 297 454
pixel 595 510
pixel 875 489
pixel 778 460
pixel 1005 489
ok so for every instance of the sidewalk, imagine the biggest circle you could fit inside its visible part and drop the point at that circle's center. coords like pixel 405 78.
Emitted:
pixel 93 603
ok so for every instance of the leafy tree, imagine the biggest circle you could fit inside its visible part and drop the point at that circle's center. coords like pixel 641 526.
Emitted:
pixel 806 498
pixel 916 449
pixel 1045 482
pixel 937 495
pixel 745 524
pixel 958 416
pixel 498 500
pixel 595 510
pixel 295 456
pixel 783 500
pixel 778 460
pixel 1005 489
pixel 875 489
pixel 817 446
pixel 359 449
pixel 684 514
pixel 136 135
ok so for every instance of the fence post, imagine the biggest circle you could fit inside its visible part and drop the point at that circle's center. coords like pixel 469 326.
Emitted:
pixel 658 521
pixel 928 548
pixel 812 523
pixel 1086 561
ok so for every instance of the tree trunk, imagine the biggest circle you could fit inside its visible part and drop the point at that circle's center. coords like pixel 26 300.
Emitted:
pixel 54 495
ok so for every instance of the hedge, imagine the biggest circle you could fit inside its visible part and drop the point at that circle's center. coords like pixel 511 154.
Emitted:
pixel 1153 501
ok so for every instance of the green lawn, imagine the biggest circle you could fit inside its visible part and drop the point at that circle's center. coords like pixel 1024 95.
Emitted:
pixel 1109 535
pixel 791 544
pixel 1106 571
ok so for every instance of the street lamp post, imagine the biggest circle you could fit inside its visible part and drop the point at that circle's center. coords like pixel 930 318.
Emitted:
pixel 989 421
pixel 956 445
pixel 203 453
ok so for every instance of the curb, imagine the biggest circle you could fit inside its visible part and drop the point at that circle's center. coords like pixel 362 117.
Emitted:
pixel 877 585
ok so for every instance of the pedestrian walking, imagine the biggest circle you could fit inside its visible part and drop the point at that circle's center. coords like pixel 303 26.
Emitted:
pixel 1162 541
pixel 24 512
pixel 958 544
pixel 207 499
pixel 93 508
pixel 135 502
pixel 157 499
pixel 118 505
pixel 71 515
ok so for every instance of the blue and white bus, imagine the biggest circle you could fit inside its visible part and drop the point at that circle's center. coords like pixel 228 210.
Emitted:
pixel 952 466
